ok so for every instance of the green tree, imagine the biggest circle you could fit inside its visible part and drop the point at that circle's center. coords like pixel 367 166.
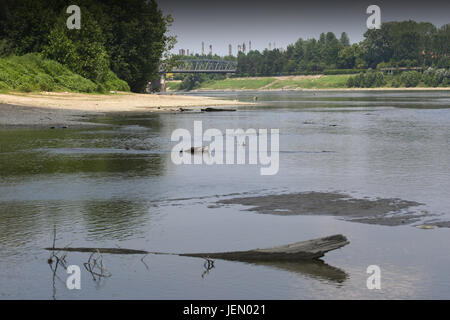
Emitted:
pixel 81 50
pixel 130 34
pixel 344 40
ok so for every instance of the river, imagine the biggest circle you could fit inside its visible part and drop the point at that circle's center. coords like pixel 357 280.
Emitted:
pixel 116 186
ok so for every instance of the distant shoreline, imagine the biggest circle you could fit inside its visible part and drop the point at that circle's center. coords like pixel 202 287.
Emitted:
pixel 291 83
pixel 328 89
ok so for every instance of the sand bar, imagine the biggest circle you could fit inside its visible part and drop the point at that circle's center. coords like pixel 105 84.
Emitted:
pixel 44 109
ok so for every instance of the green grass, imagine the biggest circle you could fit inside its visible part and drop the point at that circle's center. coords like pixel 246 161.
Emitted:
pixel 32 73
pixel 256 83
pixel 173 85
pixel 324 82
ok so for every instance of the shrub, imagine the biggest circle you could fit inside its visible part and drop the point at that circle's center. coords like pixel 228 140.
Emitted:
pixel 410 78
pixel 436 77
pixel 370 79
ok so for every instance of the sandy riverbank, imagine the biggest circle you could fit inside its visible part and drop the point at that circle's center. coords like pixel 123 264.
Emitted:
pixel 48 109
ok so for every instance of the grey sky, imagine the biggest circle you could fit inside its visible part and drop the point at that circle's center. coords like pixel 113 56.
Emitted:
pixel 232 22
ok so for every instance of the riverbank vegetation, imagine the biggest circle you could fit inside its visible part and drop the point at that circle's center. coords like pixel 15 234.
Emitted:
pixel 270 83
pixel 127 38
pixel 395 44
pixel 370 79
pixel 407 45
pixel 32 72
pixel 373 79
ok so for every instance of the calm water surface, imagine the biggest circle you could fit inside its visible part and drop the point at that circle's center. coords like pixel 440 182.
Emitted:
pixel 116 186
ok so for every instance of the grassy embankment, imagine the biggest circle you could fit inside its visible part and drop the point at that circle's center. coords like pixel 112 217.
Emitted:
pixel 32 73
pixel 272 83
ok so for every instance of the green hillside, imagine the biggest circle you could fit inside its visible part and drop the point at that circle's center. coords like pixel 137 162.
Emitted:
pixel 31 73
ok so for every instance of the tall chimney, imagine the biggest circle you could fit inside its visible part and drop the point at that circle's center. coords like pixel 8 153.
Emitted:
pixel 203 48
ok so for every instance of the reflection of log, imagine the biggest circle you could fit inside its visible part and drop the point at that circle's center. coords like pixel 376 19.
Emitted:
pixel 312 268
pixel 305 250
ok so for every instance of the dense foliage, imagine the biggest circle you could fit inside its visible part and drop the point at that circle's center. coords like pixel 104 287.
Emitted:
pixel 373 79
pixel 406 43
pixel 128 37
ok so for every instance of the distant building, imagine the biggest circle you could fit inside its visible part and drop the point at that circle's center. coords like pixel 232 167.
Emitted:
pixel 395 70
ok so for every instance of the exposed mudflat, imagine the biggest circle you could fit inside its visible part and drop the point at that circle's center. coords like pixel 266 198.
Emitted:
pixel 390 212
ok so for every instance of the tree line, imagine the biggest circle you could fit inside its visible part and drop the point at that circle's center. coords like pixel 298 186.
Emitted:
pixel 127 37
pixel 396 44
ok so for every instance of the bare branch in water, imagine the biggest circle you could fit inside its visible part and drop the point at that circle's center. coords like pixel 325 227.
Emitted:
pixel 95 267
pixel 208 265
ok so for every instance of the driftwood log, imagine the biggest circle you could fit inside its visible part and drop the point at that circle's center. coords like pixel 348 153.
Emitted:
pixel 305 250
pixel 216 110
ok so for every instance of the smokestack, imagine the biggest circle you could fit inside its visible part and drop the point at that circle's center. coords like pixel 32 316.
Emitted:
pixel 210 49
pixel 203 48
pixel 270 45
pixel 187 51
pixel 243 47
pixel 249 46
pixel 230 53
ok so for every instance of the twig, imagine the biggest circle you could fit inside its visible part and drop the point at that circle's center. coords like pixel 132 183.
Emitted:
pixel 142 259
pixel 208 265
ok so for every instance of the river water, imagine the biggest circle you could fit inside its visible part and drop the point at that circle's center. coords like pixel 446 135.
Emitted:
pixel 116 186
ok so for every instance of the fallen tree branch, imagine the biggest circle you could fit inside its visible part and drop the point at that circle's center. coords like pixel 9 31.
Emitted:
pixel 304 250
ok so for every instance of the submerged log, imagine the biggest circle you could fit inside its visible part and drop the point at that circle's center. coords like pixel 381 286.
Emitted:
pixel 216 110
pixel 304 250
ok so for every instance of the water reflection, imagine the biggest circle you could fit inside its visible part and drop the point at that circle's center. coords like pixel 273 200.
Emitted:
pixel 316 269
pixel 115 219
pixel 25 153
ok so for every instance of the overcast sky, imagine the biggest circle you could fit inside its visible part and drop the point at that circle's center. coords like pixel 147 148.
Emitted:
pixel 220 23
